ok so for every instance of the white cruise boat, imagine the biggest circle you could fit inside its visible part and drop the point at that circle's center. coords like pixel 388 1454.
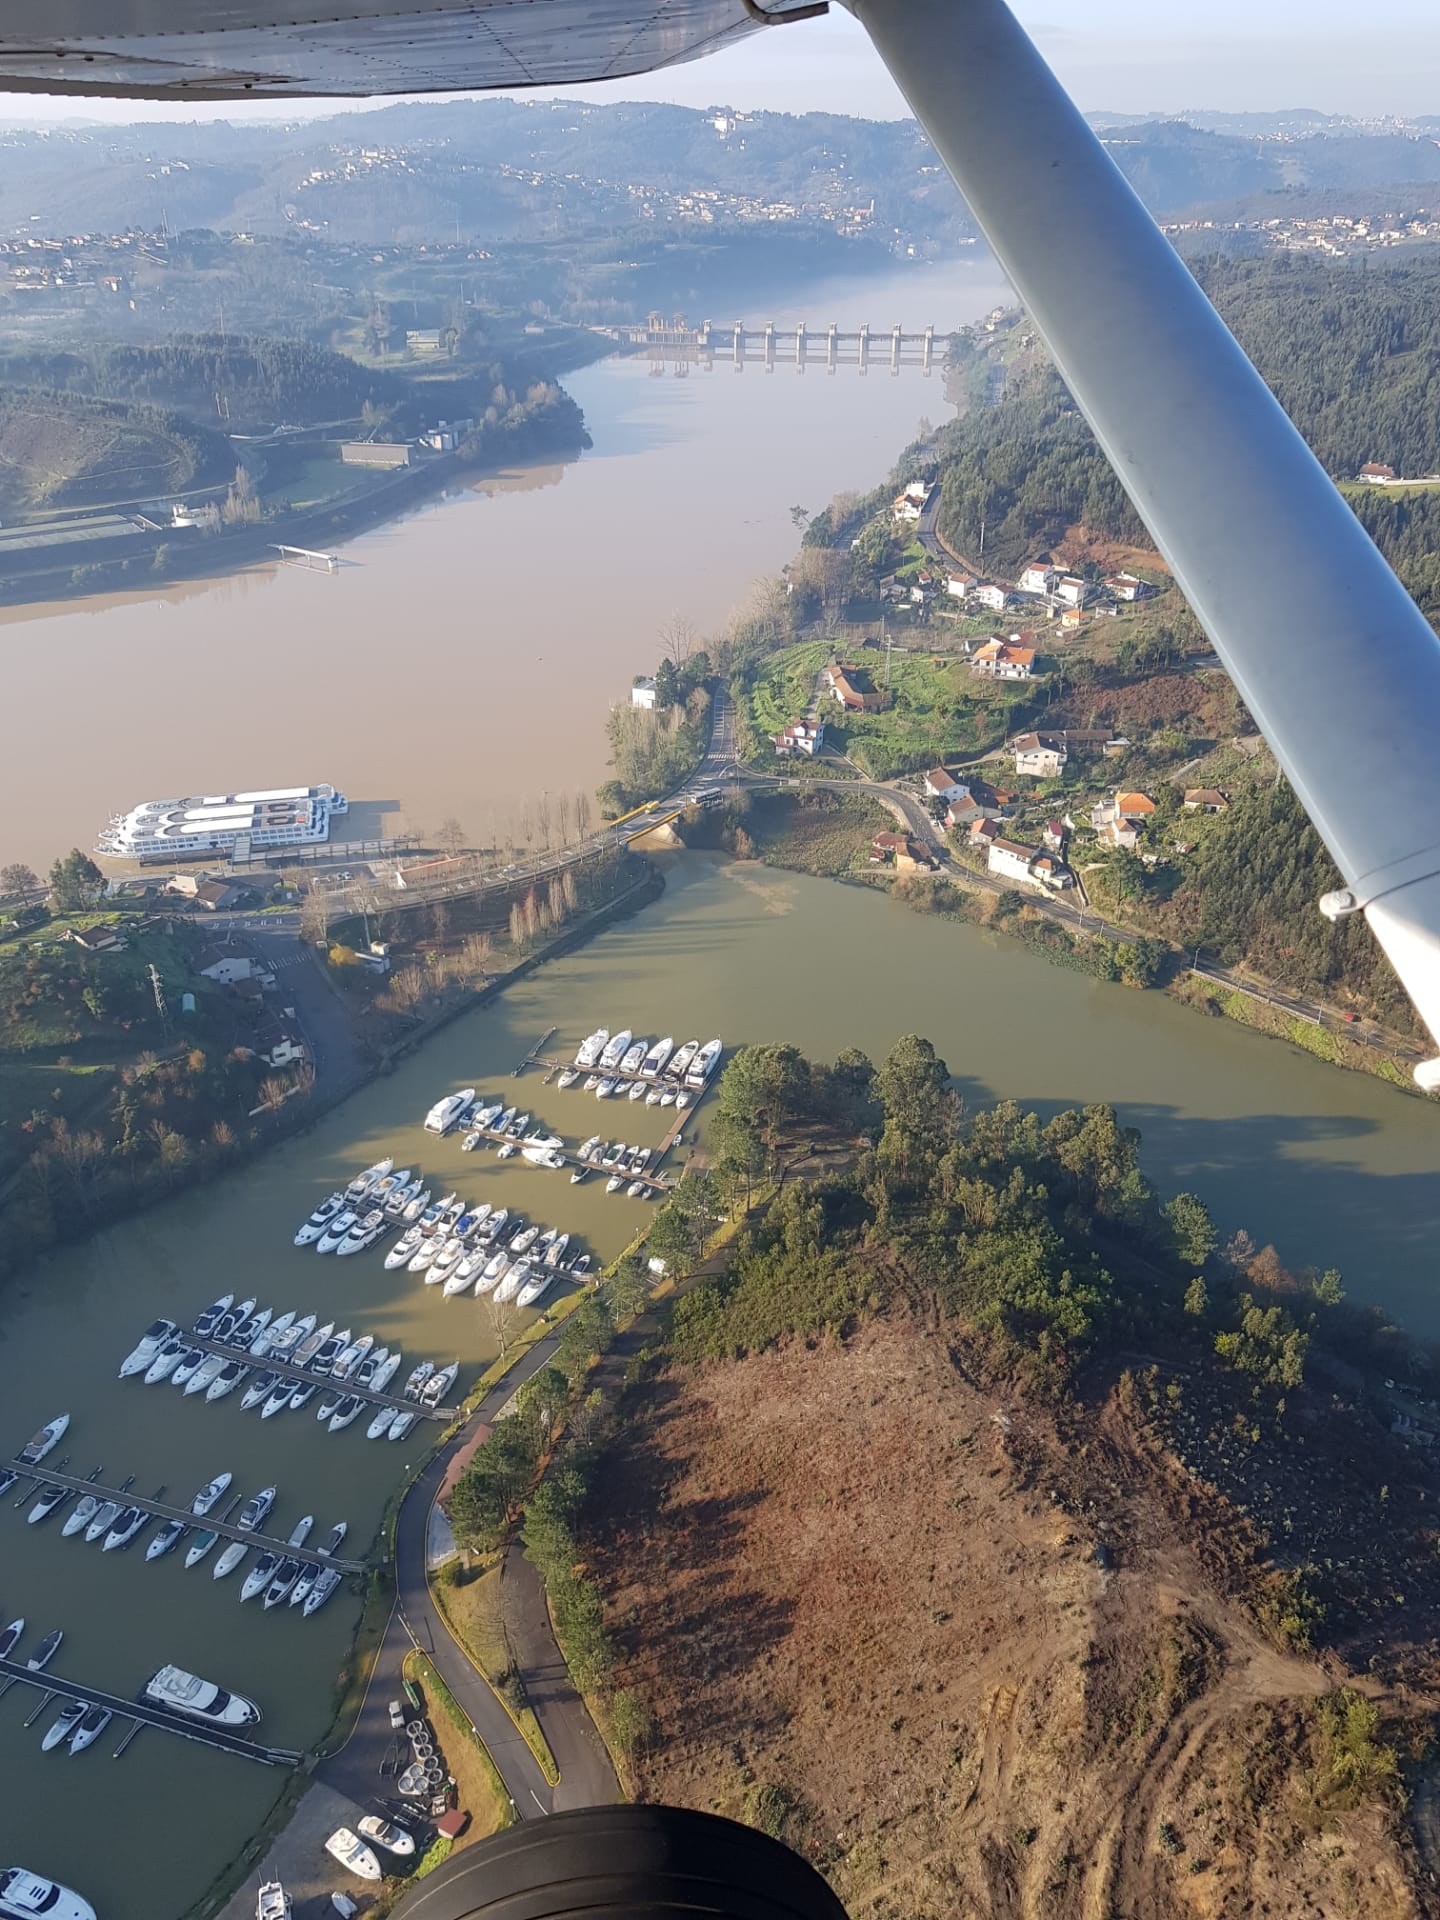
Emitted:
pixel 388 1185
pixel 442 1263
pixel 320 1219
pixel 166 1539
pixel 493 1274
pixel 260 1388
pixel 446 1113
pixel 655 1060
pixel 514 1281
pixel 418 1378
pixel 538 1156
pixel 29 1896
pixel 336 1231
pixel 259 1575
pixel 352 1853
pixel 256 1510
pixel 129 1523
pixel 101 1521
pixel 386 1371
pixel 187 1366
pixel 36 1448
pixel 351 1357
pixel 210 1318
pixel 211 1491
pixel 591 1049
pixel 59 1732
pixel 199 1699
pixel 151 1341
pixel 311 1344
pixel 331 1543
pixel 567 1076
pixel 272 1902
pixel 377 1430
pixel 227 1379
pixel 539 1279
pixel 466 1271
pixel 703 1065
pixel 668 1096
pixel 200 1546
pixel 285 1346
pixel 403 1422
pixel 345 1413
pixel 637 1090
pixel 367 1228
pixel 615 1051
pixel 630 1063
pixel 230 1559
pixel 165 1362
pixel 363 1182
pixel 325 1585
pixel 606 1087
pixel 680 1061
pixel 654 1095
pixel 159 830
pixel 93 1724
pixel 266 1336
pixel 439 1384
pixel 404 1248
pixel 413 1209
pixel 382 1833
pixel 82 1515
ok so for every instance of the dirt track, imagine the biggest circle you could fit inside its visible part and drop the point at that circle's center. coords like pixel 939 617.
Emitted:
pixel 862 1598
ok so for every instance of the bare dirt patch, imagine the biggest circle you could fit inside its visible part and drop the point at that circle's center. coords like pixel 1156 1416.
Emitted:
pixel 967 1663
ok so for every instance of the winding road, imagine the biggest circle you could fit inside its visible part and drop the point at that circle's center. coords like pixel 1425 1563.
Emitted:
pixel 587 1777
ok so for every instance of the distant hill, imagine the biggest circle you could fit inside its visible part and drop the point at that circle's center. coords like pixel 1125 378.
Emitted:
pixel 61 450
pixel 490 171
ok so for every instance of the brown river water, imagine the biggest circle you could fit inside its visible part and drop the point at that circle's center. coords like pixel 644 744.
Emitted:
pixel 685 497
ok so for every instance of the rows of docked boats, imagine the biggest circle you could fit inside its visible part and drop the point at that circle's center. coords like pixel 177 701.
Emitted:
pixel 463 1249
pixel 622 1066
pixel 303 1361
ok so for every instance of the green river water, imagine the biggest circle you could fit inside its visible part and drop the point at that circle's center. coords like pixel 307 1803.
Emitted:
pixel 1332 1167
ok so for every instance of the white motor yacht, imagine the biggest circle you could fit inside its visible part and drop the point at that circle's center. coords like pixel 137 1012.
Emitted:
pixel 592 1081
pixel 331 1543
pixel 227 1379
pixel 445 1261
pixel 272 1902
pixel 81 1516
pixel 413 1209
pixel 606 1087
pixel 311 1344
pixel 130 1522
pixel 336 1231
pixel 320 1219
pixel 323 1363
pixel 207 1496
pixel 200 1546
pixel 381 1424
pixel 386 1371
pixel 289 1341
pixel 256 1510
pixel 103 1520
pixel 638 1090
pixel 186 1366
pixel 199 1699
pixel 286 1574
pixel 634 1054
pixel 494 1226
pixel 210 1318
pixel 363 1182
pixel 466 1272
pixel 151 1341
pixel 352 1853
pixel 446 1113
pixel 249 1327
pixel 230 1559
pixel 166 1539
pixel 260 1388
pixel 347 1410
pixel 365 1231
pixel 615 1183
pixel 494 1271
pixel 165 1362
pixel 29 1896
pixel 555 1252
pixel 402 1424
pixel 9 1636
pixel 46 1651
pixel 524 1238
pixel 589 1148
pixel 614 1051
pixel 703 1065
pixel 418 1378
pixel 49 1499
pixel 92 1724
pixel 539 1279
pixel 507 1150
pixel 388 1184
pixel 321 1591
pixel 63 1726
pixel 568 1077
pixel 471 1222
pixel 637 1190
pixel 205 1374
pixel 681 1060
pixel 280 1396
pixel 426 1251
pixel 653 1096
pixel 259 1576
pixel 668 1097
pixel 345 1367
pixel 655 1060
pixel 439 1384
pixel 407 1245
pixel 591 1048
pixel 263 1345
pixel 513 1281
pixel 683 1099
pixel 383 1833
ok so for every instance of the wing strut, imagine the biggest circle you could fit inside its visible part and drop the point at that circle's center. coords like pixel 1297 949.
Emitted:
pixel 1330 654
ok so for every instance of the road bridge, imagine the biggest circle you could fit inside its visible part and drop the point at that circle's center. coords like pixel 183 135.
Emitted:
pixel 207 1522
pixel 147 1715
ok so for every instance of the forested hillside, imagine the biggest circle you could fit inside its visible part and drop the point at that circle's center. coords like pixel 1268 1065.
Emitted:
pixel 256 380
pixel 61 449
pixel 1353 356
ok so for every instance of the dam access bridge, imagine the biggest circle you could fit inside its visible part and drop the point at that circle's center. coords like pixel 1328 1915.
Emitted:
pixel 671 343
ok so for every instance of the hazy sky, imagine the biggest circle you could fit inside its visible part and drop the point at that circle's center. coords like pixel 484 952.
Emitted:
pixel 1128 55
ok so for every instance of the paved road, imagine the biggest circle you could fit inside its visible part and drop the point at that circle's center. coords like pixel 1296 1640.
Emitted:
pixel 415 1622
pixel 587 1778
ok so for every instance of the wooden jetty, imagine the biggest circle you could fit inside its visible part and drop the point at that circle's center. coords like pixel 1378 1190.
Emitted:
pixel 202 1522
pixel 533 1058
pixel 144 1714
pixel 299 1376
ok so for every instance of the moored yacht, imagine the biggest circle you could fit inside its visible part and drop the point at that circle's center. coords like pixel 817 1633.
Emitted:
pixel 29 1896
pixel 655 1060
pixel 404 1248
pixel 63 1725
pixel 615 1051
pixel 167 1538
pixel 199 1699
pixel 703 1065
pixel 364 1182
pixel 637 1090
pixel 92 1725
pixel 9 1636
pixel 402 1424
pixel 210 1318
pixel 200 1546
pixel 264 1341
pixel 539 1279
pixel 439 1384
pixel 39 1444
pixel 256 1510
pixel 320 1219
pixel 350 1359
pixel 165 1362
pixel 129 1523
pixel 325 1359
pixel 46 1651
pixel 606 1087
pixel 321 1591
pixel 80 1518
pixel 50 1498
pixel 211 1491
pixel 259 1575
pixel 680 1061
pixel 311 1344
pixel 187 1366
pixel 377 1430
pixel 348 1408
pixel 446 1113
pixel 513 1281
pixel 366 1229
pixel 331 1543
pixel 101 1521
pixel 151 1341
pixel 230 1559
pixel 591 1048
pixel 567 1076
pixel 630 1064
pixel 493 1271
pixel 336 1231
pixel 260 1388
pixel 418 1378
pixel 227 1379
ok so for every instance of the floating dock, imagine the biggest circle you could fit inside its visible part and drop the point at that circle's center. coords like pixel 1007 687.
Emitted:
pixel 300 1376
pixel 146 1715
